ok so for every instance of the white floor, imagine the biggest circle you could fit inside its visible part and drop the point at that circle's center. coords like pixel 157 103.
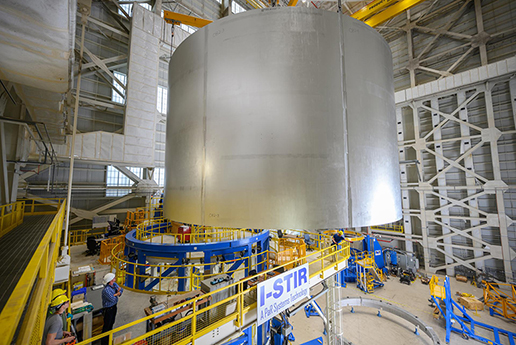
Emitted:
pixel 365 327
pixel 361 327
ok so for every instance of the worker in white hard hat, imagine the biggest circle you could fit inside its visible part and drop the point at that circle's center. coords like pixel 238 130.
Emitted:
pixel 53 333
pixel 110 296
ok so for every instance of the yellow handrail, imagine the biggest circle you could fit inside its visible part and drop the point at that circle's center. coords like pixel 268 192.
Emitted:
pixel 192 326
pixel 78 237
pixel 154 271
pixel 11 215
pixel 42 206
pixel 36 284
pixel 435 289
pixel 389 227
pixel 198 234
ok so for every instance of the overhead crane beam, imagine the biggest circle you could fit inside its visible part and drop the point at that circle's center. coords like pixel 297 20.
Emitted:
pixel 178 18
pixel 391 12
pixel 378 11
pixel 373 14
pixel 371 9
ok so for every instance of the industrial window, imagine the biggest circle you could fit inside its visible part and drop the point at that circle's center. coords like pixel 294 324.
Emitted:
pixel 129 8
pixel 159 176
pixel 115 96
pixel 236 8
pixel 114 178
pixel 162 99
pixel 187 28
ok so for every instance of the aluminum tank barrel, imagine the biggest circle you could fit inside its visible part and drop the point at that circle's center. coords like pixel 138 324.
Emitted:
pixel 282 118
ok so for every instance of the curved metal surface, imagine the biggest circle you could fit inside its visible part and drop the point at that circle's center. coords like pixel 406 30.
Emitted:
pixel 163 248
pixel 390 308
pixel 282 118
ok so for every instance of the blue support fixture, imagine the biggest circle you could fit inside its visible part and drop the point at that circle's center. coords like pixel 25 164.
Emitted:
pixel 278 324
pixel 137 252
pixel 155 282
pixel 349 274
pixel 235 266
pixel 310 310
pixel 466 322
pixel 263 332
pixel 245 339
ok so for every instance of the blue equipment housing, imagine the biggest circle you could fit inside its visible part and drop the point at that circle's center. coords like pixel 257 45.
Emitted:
pixel 278 324
pixel 371 244
pixel 391 256
pixel 349 274
pixel 239 250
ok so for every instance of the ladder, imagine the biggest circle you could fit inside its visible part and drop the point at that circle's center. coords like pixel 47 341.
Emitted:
pixel 333 312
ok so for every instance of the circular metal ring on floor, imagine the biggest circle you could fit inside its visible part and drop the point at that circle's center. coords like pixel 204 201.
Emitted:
pixel 390 308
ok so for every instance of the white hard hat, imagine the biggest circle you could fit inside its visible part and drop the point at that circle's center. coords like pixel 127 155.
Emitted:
pixel 108 277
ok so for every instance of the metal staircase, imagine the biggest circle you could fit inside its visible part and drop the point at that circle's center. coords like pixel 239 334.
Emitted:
pixel 369 276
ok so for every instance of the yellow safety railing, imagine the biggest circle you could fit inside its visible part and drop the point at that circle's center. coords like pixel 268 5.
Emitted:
pixel 107 245
pixel 33 290
pixel 197 234
pixel 80 236
pixel 200 318
pixel 501 298
pixel 349 235
pixel 42 206
pixel 167 283
pixel 392 227
pixel 367 270
pixel 141 214
pixel 435 289
pixel 11 215
pixel 319 240
pixel 287 249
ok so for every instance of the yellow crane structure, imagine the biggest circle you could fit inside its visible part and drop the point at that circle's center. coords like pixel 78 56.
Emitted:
pixel 373 14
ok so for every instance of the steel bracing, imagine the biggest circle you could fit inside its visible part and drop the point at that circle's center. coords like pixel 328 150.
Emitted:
pixel 462 180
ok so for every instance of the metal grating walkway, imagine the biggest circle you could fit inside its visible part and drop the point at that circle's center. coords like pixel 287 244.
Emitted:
pixel 16 250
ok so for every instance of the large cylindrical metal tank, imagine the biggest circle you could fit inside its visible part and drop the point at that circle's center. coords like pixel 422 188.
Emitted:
pixel 282 118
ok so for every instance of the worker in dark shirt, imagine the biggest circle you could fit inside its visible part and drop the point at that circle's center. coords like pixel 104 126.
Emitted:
pixel 110 296
pixel 337 238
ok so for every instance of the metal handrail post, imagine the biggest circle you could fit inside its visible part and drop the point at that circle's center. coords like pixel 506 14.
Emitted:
pixel 74 132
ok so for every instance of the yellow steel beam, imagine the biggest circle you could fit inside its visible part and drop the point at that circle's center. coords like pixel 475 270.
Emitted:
pixel 256 4
pixel 178 18
pixel 391 12
pixel 292 3
pixel 372 8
